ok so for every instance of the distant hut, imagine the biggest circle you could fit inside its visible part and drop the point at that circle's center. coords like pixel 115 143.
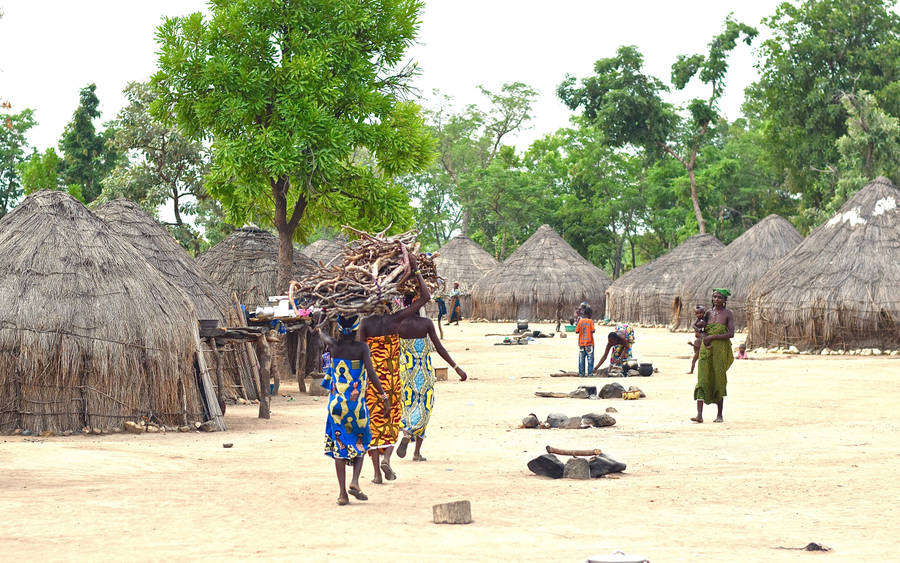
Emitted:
pixel 736 267
pixel 246 263
pixel 839 288
pixel 462 260
pixel 544 279
pixel 325 250
pixel 646 293
pixel 91 335
pixel 160 249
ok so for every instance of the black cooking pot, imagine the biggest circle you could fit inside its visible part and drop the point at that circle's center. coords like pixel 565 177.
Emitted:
pixel 645 369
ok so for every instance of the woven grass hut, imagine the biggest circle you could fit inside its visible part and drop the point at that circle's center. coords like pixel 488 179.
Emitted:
pixel 544 279
pixel 839 288
pixel 645 294
pixel 462 260
pixel 246 263
pixel 324 250
pixel 739 265
pixel 162 251
pixel 90 333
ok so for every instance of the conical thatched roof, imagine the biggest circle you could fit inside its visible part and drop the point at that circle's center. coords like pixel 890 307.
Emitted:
pixel 839 288
pixel 545 278
pixel 246 263
pixel 90 333
pixel 324 250
pixel 646 293
pixel 461 260
pixel 737 267
pixel 162 251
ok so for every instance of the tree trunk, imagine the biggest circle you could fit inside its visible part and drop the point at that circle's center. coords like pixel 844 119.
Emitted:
pixel 464 227
pixel 696 202
pixel 265 364
pixel 285 226
pixel 285 259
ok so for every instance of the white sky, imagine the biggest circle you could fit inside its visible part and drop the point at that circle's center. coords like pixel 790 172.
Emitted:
pixel 49 49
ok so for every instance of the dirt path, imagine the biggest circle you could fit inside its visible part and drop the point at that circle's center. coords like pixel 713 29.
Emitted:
pixel 809 452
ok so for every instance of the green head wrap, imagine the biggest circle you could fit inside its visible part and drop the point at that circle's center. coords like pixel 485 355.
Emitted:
pixel 723 292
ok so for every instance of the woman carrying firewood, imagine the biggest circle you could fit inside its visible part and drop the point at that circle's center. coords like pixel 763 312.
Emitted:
pixel 381 333
pixel 417 339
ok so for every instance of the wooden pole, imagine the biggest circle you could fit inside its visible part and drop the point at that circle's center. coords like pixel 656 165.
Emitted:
pixel 457 512
pixel 302 337
pixel 220 382
pixel 558 451
pixel 262 351
pixel 215 413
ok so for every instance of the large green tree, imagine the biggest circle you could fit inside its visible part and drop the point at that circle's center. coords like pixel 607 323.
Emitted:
pixel 87 156
pixel 627 104
pixel 161 167
pixel 305 104
pixel 819 50
pixel 13 128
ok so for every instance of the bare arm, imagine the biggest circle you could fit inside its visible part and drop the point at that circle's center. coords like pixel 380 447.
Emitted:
pixel 423 297
pixel 603 359
pixel 729 326
pixel 326 338
pixel 442 352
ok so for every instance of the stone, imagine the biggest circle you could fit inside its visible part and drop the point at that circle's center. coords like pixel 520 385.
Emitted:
pixel 96 431
pixel 825 351
pixel 611 391
pixel 638 389
pixel 547 465
pixel 314 387
pixel 574 423
pixel 47 433
pixel 530 421
pixel 133 427
pixel 601 465
pixel 67 433
pixel 804 352
pixel 591 389
pixel 611 409
pixel 116 430
pixel 27 432
pixel 865 352
pixel 632 373
pixel 208 426
pixel 184 428
pixel 840 352
pixel 895 353
pixel 759 351
pixel 876 352
pixel 598 420
pixel 241 401
pixel 579 393
pixel 772 350
pixel 152 429
pixel 556 420
pixel 577 468
pixel 227 445
pixel 792 350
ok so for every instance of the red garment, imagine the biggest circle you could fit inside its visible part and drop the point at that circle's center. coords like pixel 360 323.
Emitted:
pixel 585 331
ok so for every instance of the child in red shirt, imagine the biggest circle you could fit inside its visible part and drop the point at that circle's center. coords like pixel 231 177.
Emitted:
pixel 585 331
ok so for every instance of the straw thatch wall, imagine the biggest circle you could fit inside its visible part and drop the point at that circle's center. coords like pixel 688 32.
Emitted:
pixel 246 263
pixel 645 294
pixel 324 251
pixel 736 267
pixel 162 251
pixel 544 279
pixel 839 288
pixel 462 260
pixel 90 333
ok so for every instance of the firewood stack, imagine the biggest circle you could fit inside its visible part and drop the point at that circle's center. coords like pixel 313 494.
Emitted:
pixel 375 269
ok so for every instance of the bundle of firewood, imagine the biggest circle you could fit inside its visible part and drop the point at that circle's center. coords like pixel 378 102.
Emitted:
pixel 375 269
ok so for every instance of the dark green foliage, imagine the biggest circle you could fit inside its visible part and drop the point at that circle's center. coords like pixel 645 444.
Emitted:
pixel 87 156
pixel 13 128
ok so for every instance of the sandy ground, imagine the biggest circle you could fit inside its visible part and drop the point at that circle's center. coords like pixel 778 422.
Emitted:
pixel 809 452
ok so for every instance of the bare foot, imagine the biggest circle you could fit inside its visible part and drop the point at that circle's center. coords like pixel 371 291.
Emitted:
pixel 719 419
pixel 698 419
pixel 343 500
pixel 418 457
pixel 377 480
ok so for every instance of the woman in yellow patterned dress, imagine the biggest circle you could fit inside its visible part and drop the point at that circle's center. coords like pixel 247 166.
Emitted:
pixel 380 333
pixel 417 339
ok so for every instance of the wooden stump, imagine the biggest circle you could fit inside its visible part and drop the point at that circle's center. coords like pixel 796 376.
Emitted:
pixel 457 512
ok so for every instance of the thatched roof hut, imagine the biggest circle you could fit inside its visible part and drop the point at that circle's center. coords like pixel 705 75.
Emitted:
pixel 246 263
pixel 90 333
pixel 646 293
pixel 736 267
pixel 462 260
pixel 162 251
pixel 543 279
pixel 839 288
pixel 324 250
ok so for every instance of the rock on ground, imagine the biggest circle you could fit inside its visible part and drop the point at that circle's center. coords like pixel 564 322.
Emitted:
pixel 547 465
pixel 611 391
pixel 556 420
pixel 530 421
pixel 601 465
pixel 577 468
pixel 598 420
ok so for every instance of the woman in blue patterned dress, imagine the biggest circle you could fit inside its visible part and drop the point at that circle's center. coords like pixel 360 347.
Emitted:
pixel 347 433
pixel 417 340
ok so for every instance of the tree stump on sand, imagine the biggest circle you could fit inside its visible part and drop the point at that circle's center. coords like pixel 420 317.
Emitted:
pixel 457 512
